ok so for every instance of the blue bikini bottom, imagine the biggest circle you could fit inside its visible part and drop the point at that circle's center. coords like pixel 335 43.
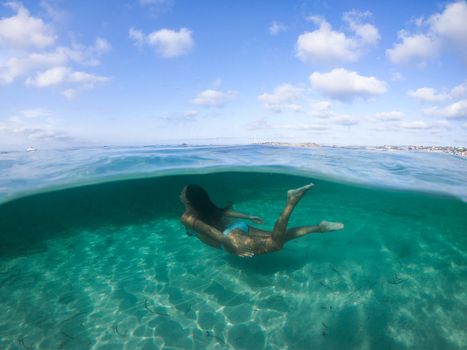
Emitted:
pixel 240 225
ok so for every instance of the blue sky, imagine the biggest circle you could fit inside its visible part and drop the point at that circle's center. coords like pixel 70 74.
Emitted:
pixel 169 71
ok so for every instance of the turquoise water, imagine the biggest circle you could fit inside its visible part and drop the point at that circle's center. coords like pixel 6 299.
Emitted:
pixel 108 265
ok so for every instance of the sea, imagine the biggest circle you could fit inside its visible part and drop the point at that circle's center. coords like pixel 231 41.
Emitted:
pixel 93 254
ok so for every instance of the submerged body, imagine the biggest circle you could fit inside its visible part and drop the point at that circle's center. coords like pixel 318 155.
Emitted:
pixel 213 227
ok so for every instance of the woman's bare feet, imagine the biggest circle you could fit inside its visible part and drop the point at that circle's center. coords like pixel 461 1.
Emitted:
pixel 296 194
pixel 326 226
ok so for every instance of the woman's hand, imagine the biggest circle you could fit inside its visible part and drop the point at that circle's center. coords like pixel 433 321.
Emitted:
pixel 256 219
pixel 246 253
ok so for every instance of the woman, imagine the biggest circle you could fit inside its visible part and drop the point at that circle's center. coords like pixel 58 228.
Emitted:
pixel 212 224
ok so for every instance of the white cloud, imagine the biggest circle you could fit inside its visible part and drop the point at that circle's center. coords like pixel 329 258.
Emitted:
pixel 389 116
pixel 452 24
pixel 321 109
pixel 417 47
pixel 368 33
pixel 276 27
pixel 31 133
pixel 422 125
pixel 303 126
pixel 167 43
pixel 35 113
pixel 64 75
pixel 137 36
pixel 283 97
pixel 56 14
pixel 428 95
pixel 344 85
pixel 459 90
pixel 397 76
pixel 170 43
pixel 418 124
pixel 16 67
pixel 23 31
pixel 32 125
pixel 190 114
pixel 100 47
pixel 265 124
pixel 445 30
pixel 213 98
pixel 86 79
pixel 157 7
pixel 325 44
pixel 53 76
pixel 29 51
pixel 70 94
pixel 344 119
pixel 456 110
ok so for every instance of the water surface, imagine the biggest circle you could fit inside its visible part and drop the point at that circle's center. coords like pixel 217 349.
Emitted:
pixel 109 266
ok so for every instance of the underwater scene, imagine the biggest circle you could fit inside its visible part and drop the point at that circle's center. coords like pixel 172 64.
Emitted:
pixel 93 254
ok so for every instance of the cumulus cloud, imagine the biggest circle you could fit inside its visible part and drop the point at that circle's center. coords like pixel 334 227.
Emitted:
pixel 284 97
pixel 459 90
pixel 33 125
pixel 213 98
pixel 456 110
pixel 451 24
pixel 419 47
pixel 428 95
pixel 16 67
pixel 29 51
pixel 389 116
pixel 321 109
pixel 325 45
pixel 442 31
pixel 423 125
pixel 344 85
pixel 167 43
pixel 64 75
pixel 23 31
pixel 368 33
pixel 276 28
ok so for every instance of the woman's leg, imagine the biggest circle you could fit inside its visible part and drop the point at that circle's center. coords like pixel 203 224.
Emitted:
pixel 279 232
pixel 324 226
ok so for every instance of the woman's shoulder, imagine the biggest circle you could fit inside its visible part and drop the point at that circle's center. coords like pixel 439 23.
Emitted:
pixel 188 218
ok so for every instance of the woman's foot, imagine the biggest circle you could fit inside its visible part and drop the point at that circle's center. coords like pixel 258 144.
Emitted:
pixel 326 226
pixel 296 194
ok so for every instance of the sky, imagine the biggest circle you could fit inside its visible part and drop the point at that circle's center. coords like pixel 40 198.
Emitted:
pixel 145 72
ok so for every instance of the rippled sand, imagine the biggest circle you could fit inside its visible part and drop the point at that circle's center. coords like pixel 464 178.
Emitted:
pixel 394 278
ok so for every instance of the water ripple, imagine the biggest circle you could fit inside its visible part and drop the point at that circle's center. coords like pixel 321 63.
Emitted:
pixel 22 173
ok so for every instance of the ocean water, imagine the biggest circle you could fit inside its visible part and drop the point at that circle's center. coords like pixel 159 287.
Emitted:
pixel 93 256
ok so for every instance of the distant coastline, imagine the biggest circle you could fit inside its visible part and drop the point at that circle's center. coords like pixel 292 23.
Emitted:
pixel 458 151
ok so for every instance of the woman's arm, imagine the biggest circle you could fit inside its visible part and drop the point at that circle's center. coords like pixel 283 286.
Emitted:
pixel 199 226
pixel 235 214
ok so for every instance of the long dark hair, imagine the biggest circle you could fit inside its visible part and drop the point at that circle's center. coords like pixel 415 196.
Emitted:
pixel 199 200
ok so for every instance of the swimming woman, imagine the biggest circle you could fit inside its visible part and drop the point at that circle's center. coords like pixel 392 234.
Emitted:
pixel 213 226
